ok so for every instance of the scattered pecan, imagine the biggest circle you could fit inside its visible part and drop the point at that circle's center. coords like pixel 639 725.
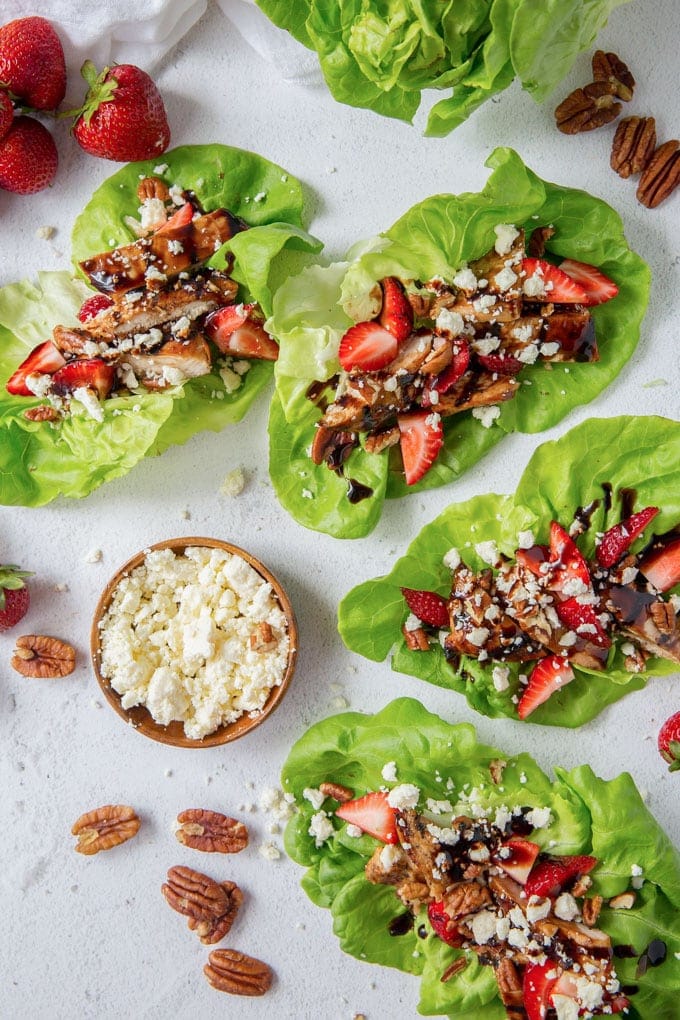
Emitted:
pixel 635 661
pixel 416 639
pixel 340 793
pixel 211 831
pixel 152 187
pixel 236 973
pixel 537 241
pixel 591 910
pixel 633 145
pixel 194 894
pixel 663 615
pixel 262 637
pixel 213 929
pixel 624 901
pixel 455 968
pixel 610 68
pixel 661 176
pixel 496 770
pixel 42 412
pixel 581 885
pixel 587 108
pixel 44 657
pixel 104 828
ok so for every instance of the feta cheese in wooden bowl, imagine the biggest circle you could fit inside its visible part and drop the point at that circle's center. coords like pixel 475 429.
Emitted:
pixel 194 642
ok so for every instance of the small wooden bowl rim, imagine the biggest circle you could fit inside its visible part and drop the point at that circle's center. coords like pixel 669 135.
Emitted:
pixel 139 717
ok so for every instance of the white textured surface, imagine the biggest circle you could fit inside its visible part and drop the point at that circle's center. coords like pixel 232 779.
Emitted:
pixel 93 938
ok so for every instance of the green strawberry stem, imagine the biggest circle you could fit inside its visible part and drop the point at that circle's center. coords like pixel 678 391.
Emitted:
pixel 12 578
pixel 674 750
pixel 99 91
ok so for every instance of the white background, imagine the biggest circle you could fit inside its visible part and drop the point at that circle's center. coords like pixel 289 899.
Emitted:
pixel 93 938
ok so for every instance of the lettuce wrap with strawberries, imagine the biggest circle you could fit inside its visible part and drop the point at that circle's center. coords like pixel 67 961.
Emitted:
pixel 585 477
pixel 450 773
pixel 72 454
pixel 431 245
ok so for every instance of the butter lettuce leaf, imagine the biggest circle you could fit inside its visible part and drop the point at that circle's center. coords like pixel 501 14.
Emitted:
pixel 42 460
pixel 624 453
pixel 588 815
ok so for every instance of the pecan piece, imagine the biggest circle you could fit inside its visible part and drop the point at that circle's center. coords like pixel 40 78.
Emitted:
pixel 213 929
pixel 610 68
pixel 663 615
pixel 661 176
pixel 104 828
pixel 230 971
pixel 42 412
pixel 587 108
pixel 624 901
pixel 340 793
pixel 633 145
pixel 44 657
pixel 152 187
pixel 194 894
pixel 416 640
pixel 211 832
pixel 496 768
pixel 591 910
pixel 262 638
pixel 537 241
pixel 453 969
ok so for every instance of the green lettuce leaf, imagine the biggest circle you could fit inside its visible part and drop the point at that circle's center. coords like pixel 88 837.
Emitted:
pixel 434 238
pixel 41 460
pixel 639 453
pixel 384 54
pixel 588 815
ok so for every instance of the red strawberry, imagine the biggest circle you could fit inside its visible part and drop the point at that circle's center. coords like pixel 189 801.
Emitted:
pixel 43 360
pixel 367 346
pixel 565 555
pixel 669 742
pixel 373 814
pixel 559 287
pixel 93 305
pixel 662 566
pixel 598 287
pixel 501 364
pixel 32 65
pixel 123 116
pixel 548 675
pixel 575 614
pixel 617 540
pixel 551 875
pixel 28 157
pixel 458 367
pixel 441 924
pixel 14 595
pixel 428 606
pixel 6 114
pixel 92 373
pixel 520 859
pixel 397 314
pixel 422 437
pixel 237 330
pixel 179 219
pixel 537 987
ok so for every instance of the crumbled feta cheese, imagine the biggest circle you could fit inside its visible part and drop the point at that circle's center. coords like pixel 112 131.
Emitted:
pixel 500 676
pixel 320 827
pixel 354 831
pixel 486 415
pixel 484 303
pixel 153 273
pixel 565 1007
pixel 234 482
pixel 548 349
pixel 534 286
pixel 269 851
pixel 90 401
pixel 522 333
pixel 478 636
pixel 539 817
pixel 450 321
pixel 505 279
pixel 412 622
pixel 525 539
pixel 451 559
pixel 94 556
pixel 152 214
pixel 537 908
pixel 506 235
pixel 637 876
pixel 483 927
pixel 389 855
pixel 566 907
pixel 389 772
pixel 403 796
pixel 315 797
pixel 487 344
pixel 488 552
pixel 45 233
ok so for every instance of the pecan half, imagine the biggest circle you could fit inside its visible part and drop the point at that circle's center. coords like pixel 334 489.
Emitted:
pixel 416 640
pixel 587 108
pixel 42 412
pixel 496 768
pixel 591 910
pixel 663 615
pixel 230 971
pixel 340 793
pixel 453 969
pixel 537 241
pixel 104 828
pixel 152 187
pixel 610 68
pixel 633 145
pixel 194 894
pixel 262 638
pixel 213 929
pixel 624 901
pixel 211 832
pixel 661 176
pixel 44 657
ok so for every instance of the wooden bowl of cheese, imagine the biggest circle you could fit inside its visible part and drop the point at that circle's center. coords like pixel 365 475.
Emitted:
pixel 194 642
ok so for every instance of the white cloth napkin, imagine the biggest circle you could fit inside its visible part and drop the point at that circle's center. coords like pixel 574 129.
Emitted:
pixel 293 61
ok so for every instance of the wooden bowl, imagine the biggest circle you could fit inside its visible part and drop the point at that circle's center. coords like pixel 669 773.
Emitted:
pixel 139 717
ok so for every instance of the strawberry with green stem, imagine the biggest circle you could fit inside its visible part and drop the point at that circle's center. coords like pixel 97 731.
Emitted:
pixel 14 595
pixel 669 742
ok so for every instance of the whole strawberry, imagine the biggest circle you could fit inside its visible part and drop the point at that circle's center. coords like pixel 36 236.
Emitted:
pixel 14 596
pixel 123 116
pixel 28 157
pixel 32 65
pixel 6 113
pixel 669 742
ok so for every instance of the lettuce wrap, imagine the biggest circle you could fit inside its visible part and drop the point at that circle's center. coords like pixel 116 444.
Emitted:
pixel 434 239
pixel 626 453
pixel 383 54
pixel 72 456
pixel 588 815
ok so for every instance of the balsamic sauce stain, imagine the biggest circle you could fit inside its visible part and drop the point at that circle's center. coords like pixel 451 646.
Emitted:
pixel 627 497
pixel 356 491
pixel 625 952
pixel 400 925
pixel 607 490
pixel 584 514
pixel 653 956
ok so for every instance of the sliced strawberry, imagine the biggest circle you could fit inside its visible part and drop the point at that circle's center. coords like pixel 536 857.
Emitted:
pixel 458 367
pixel 396 314
pixel 559 287
pixel 569 564
pixel 441 924
pixel 668 742
pixel 598 287
pixel 534 558
pixel 620 1004
pixel 575 614
pixel 422 437
pixel 179 219
pixel 367 346
pixel 552 875
pixel 93 306
pixel 566 985
pixel 617 540
pixel 43 360
pixel 238 330
pixel 662 566
pixel 428 606
pixel 520 859
pixel 548 675
pixel 537 987
pixel 373 814
pixel 501 364
pixel 92 373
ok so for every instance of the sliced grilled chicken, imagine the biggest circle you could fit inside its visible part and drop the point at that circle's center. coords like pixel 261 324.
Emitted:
pixel 478 389
pixel 173 362
pixel 647 619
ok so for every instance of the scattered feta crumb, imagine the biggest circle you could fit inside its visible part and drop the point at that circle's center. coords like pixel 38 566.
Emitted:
pixel 403 796
pixel 488 552
pixel 315 797
pixel 269 851
pixel 451 559
pixel 486 415
pixel 234 483
pixel 500 676
pixel 45 233
pixel 94 556
pixel 506 234
pixel 389 772
pixel 320 827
